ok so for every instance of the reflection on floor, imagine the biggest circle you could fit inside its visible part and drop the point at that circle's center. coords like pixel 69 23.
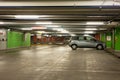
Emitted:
pixel 58 63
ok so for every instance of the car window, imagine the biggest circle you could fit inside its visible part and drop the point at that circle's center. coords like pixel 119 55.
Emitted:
pixel 89 38
pixel 81 38
pixel 75 38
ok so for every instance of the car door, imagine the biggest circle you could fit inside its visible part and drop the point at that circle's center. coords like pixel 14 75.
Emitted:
pixel 81 41
pixel 89 42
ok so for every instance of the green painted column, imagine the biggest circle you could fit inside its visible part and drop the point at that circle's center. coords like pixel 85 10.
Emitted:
pixel 109 40
pixel 17 39
pixel 117 38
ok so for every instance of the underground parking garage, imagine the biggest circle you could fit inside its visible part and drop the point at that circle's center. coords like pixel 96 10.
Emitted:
pixel 35 38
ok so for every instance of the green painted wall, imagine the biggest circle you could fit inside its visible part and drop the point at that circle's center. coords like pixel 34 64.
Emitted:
pixel 117 38
pixel 103 37
pixel 108 40
pixel 17 39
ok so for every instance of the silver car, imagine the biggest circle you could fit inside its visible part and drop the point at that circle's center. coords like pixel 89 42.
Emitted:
pixel 86 42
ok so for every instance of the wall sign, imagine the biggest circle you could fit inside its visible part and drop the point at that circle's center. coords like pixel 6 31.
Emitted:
pixel 108 38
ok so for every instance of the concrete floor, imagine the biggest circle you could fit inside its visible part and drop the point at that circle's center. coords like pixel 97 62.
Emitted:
pixel 58 63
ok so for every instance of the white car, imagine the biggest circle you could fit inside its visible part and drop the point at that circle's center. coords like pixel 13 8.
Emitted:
pixel 86 42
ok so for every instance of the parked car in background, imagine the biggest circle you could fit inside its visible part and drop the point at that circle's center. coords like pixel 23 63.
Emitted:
pixel 83 41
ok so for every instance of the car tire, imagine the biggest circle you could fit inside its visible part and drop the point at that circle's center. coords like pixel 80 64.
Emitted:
pixel 74 47
pixel 99 47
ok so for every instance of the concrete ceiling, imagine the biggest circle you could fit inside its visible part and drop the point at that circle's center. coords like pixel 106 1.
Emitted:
pixel 64 16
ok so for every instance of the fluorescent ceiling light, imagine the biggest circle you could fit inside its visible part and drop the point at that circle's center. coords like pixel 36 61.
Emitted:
pixel 61 30
pixel 95 23
pixel 53 26
pixel 26 16
pixel 88 32
pixel 57 29
pixel 72 34
pixel 91 26
pixel 91 29
pixel 64 31
pixel 86 35
pixel 43 23
pixel 26 28
pixel 2 23
pixel 40 31
pixel 59 35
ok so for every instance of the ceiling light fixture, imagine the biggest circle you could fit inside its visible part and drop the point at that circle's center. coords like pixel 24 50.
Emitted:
pixel 89 32
pixel 64 31
pixel 95 23
pixel 26 16
pixel 61 30
pixel 53 26
pixel 26 29
pixel 57 29
pixel 73 34
pixel 91 29
pixel 40 32
pixel 2 23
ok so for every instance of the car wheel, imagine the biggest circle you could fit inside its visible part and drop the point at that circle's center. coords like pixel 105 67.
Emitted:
pixel 99 47
pixel 74 47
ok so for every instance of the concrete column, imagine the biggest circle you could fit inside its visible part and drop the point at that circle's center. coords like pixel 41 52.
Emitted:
pixel 113 38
